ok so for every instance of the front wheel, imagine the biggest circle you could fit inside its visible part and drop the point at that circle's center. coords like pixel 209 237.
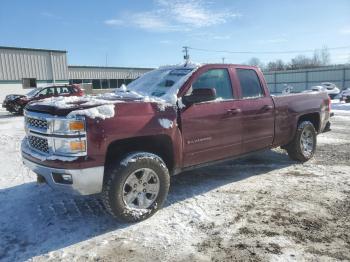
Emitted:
pixel 136 187
pixel 18 109
pixel 303 146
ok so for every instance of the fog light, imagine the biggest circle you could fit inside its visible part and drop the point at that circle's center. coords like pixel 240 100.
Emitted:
pixel 62 178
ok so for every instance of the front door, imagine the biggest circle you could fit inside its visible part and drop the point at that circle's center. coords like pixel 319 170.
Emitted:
pixel 211 130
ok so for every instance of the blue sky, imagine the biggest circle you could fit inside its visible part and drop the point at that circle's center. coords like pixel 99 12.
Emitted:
pixel 152 32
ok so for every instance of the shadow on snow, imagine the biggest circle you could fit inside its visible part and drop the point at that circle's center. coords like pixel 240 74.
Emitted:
pixel 36 220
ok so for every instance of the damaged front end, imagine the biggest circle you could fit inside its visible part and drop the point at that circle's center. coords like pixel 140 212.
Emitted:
pixel 61 140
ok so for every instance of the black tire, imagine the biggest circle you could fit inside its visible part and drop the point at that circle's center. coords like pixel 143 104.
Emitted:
pixel 18 109
pixel 295 148
pixel 115 181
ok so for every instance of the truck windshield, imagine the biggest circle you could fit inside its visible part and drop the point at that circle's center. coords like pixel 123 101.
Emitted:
pixel 161 81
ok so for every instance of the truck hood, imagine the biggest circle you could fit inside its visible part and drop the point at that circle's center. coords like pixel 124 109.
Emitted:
pixel 96 107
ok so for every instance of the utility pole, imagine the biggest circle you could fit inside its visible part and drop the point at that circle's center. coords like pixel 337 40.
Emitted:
pixel 223 60
pixel 187 55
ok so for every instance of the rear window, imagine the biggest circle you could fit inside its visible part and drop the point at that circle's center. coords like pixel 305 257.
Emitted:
pixel 250 84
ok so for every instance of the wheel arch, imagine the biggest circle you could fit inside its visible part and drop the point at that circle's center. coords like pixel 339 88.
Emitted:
pixel 160 145
pixel 314 118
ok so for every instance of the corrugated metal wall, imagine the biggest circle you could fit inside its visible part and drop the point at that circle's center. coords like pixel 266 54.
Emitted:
pixel 77 72
pixel 303 79
pixel 16 64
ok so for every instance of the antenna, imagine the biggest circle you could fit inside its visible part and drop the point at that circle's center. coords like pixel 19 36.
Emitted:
pixel 223 60
pixel 106 59
pixel 187 55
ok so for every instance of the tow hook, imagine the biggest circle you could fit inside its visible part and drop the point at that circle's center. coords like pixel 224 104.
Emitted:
pixel 40 179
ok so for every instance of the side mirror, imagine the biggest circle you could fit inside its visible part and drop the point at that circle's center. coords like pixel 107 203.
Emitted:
pixel 200 95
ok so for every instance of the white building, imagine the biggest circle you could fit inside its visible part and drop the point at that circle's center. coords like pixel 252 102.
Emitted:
pixel 22 69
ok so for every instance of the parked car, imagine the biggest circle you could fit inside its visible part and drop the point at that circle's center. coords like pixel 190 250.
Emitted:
pixel 16 103
pixel 345 95
pixel 331 89
pixel 125 146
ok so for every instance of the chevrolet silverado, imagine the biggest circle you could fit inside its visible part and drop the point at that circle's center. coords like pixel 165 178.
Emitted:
pixel 126 145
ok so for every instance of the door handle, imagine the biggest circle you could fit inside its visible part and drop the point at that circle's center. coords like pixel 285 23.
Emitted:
pixel 266 108
pixel 234 111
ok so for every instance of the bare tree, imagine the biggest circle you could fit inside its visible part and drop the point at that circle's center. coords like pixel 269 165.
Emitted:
pixel 254 61
pixel 325 56
pixel 320 57
pixel 277 65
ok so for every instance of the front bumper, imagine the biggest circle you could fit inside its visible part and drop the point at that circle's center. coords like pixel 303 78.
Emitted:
pixel 84 181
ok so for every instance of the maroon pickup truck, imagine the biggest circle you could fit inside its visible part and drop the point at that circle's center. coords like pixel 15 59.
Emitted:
pixel 126 145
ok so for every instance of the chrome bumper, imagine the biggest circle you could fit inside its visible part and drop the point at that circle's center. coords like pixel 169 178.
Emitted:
pixel 84 181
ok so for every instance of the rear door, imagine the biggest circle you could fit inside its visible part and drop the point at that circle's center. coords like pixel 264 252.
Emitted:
pixel 257 111
pixel 211 130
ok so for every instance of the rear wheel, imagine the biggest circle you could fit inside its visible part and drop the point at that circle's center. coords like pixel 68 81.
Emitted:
pixel 303 145
pixel 136 187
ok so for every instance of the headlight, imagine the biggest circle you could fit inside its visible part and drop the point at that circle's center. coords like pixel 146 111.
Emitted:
pixel 69 146
pixel 64 126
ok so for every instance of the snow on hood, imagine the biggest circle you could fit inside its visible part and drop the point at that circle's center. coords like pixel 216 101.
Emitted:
pixel 103 112
pixel 99 106
pixel 72 101
pixel 104 105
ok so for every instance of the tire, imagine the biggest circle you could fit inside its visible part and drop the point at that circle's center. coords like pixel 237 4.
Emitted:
pixel 303 146
pixel 125 197
pixel 18 109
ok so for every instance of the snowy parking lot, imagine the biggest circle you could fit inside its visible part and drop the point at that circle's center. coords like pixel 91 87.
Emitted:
pixel 261 208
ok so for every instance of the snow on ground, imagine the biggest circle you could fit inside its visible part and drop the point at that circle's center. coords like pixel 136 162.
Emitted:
pixel 265 207
pixel 340 107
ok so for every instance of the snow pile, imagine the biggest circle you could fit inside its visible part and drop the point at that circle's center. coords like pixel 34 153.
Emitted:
pixel 103 112
pixel 165 123
pixel 138 213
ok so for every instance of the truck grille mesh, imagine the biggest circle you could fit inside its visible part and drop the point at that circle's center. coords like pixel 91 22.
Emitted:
pixel 38 123
pixel 38 143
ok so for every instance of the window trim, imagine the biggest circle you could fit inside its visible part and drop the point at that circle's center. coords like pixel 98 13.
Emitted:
pixel 241 89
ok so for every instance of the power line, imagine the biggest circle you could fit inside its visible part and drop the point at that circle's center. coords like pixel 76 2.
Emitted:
pixel 264 52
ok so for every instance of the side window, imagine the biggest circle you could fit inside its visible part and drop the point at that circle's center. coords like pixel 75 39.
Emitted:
pixel 250 83
pixel 47 91
pixel 50 91
pixel 218 79
pixel 63 90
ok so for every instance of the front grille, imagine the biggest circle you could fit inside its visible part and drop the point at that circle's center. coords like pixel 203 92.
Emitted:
pixel 38 143
pixel 37 123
